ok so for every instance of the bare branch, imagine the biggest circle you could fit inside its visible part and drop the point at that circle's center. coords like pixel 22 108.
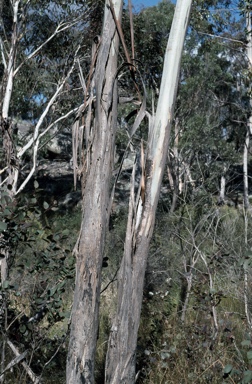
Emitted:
pixel 14 362
pixel 110 282
pixel 30 373
pixel 36 137
pixel 56 122
pixel 222 37
pixel 42 117
pixel 60 28
pixel 82 80
pixel 2 53
pixel 3 170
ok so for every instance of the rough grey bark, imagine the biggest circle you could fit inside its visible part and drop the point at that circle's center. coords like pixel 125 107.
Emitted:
pixel 245 172
pixel 90 245
pixel 120 361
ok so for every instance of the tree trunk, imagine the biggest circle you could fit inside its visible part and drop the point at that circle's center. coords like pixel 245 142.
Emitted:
pixel 222 194
pixel 11 164
pixel 249 128
pixel 245 173
pixel 174 171
pixel 6 126
pixel 121 354
pixel 90 245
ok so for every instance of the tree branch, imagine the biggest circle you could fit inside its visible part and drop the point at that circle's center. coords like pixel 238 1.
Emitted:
pixel 2 53
pixel 54 123
pixel 36 137
pixel 60 28
pixel 222 37
pixel 14 362
pixel 30 373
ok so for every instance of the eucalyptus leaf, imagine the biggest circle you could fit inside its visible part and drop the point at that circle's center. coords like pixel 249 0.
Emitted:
pixel 6 212
pixel 3 226
pixel 249 355
pixel 227 369
pixel 247 377
pixel 246 343
pixel 45 205
pixel 5 284
pixel 36 184
pixel 164 355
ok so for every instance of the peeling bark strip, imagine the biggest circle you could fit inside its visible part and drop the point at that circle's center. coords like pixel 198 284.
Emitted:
pixel 90 245
pixel 120 362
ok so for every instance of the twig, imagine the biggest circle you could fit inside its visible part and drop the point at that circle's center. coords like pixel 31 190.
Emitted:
pixel 55 353
pixel 15 361
pixel 110 282
pixel 216 361
pixel 4 169
pixel 54 123
pixel 13 321
pixel 30 373
pixel 223 38
pixel 2 53
pixel 60 28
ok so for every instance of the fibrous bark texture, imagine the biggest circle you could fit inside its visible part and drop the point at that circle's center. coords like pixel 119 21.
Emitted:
pixel 90 246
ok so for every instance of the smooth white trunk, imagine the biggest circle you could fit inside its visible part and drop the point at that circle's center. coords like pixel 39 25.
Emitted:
pixel 11 64
pixel 121 354
pixel 249 127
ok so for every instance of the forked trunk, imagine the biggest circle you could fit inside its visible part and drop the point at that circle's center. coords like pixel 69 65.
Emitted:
pixel 121 354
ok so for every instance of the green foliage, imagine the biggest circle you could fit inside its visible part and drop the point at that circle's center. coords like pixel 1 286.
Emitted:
pixel 37 78
pixel 40 284
pixel 200 240
pixel 213 99
pixel 151 30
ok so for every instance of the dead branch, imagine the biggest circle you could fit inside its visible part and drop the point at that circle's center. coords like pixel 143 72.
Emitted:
pixel 30 373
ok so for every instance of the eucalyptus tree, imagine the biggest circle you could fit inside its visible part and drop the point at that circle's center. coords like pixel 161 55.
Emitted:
pixel 96 173
pixel 40 45
pixel 249 123
pixel 212 104
pixel 121 354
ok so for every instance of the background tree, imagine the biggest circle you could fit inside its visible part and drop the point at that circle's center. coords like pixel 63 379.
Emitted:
pixel 33 81
pixel 222 104
pixel 195 317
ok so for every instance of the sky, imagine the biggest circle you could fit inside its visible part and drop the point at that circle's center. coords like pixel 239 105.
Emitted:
pixel 146 3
